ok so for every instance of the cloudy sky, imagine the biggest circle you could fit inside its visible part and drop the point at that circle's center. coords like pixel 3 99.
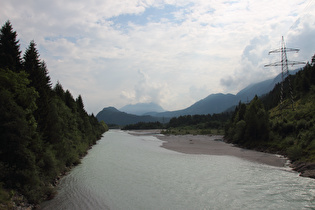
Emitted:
pixel 172 52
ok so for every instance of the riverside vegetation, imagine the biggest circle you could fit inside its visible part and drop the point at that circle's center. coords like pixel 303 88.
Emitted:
pixel 43 129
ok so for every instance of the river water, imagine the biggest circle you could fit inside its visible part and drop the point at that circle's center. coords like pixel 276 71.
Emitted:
pixel 124 171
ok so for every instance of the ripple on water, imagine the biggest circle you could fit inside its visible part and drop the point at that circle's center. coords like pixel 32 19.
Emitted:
pixel 133 172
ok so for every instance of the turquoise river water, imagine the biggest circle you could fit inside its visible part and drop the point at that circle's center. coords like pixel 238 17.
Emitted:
pixel 124 171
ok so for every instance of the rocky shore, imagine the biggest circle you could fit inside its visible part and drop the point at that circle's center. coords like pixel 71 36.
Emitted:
pixel 305 169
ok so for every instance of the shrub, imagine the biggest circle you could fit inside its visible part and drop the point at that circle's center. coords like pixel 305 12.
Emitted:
pixel 239 131
pixel 295 152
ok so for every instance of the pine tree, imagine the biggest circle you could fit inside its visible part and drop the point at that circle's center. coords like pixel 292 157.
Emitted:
pixel 59 91
pixel 70 102
pixel 10 54
pixel 40 80
pixel 80 104
pixel 31 64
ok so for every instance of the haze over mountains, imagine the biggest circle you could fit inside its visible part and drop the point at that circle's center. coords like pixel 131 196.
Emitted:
pixel 142 108
pixel 214 103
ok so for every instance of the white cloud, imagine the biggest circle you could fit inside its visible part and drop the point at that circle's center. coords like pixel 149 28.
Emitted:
pixel 185 49
pixel 145 90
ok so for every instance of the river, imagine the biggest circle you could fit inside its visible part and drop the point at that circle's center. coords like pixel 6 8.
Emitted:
pixel 124 171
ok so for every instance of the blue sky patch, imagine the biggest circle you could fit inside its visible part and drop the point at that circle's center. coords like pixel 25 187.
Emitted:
pixel 55 38
pixel 151 14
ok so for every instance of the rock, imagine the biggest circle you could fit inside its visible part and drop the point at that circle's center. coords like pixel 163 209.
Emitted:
pixel 306 169
pixel 308 173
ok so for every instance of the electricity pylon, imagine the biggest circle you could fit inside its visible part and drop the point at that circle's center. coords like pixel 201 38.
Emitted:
pixel 284 68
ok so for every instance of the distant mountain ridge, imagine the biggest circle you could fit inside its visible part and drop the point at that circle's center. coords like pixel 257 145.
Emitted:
pixel 111 115
pixel 214 103
pixel 219 102
pixel 142 108
pixel 261 88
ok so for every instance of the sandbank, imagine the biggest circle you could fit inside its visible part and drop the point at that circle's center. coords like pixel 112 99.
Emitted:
pixel 214 145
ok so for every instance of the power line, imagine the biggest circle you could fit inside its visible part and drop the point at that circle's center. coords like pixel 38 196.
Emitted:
pixel 284 68
pixel 307 7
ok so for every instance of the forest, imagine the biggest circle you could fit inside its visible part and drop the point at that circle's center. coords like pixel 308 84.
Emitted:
pixel 286 128
pixel 44 130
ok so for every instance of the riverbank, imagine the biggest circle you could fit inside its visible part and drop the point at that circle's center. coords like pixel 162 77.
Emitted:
pixel 214 145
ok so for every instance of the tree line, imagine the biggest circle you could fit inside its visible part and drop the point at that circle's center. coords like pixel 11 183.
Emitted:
pixel 187 124
pixel 144 126
pixel 44 130
pixel 214 121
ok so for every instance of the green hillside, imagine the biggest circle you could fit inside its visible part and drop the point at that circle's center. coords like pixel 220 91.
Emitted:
pixel 293 131
pixel 286 128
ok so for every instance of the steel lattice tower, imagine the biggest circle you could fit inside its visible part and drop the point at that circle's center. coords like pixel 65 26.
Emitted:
pixel 284 68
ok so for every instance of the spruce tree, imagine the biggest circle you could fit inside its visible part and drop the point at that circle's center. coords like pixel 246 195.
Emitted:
pixel 31 64
pixel 10 54
pixel 40 80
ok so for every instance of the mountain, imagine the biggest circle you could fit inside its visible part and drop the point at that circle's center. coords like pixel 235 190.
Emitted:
pixel 217 103
pixel 111 115
pixel 214 103
pixel 142 108
pixel 260 88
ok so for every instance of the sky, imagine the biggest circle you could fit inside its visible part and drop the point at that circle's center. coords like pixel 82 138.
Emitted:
pixel 170 52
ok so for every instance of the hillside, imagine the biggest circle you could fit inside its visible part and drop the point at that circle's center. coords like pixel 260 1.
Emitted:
pixel 289 129
pixel 111 115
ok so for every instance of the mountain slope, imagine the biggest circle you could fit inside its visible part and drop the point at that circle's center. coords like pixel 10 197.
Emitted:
pixel 260 88
pixel 142 108
pixel 217 103
pixel 111 115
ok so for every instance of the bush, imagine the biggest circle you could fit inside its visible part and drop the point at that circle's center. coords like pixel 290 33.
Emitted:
pixel 295 152
pixel 239 131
